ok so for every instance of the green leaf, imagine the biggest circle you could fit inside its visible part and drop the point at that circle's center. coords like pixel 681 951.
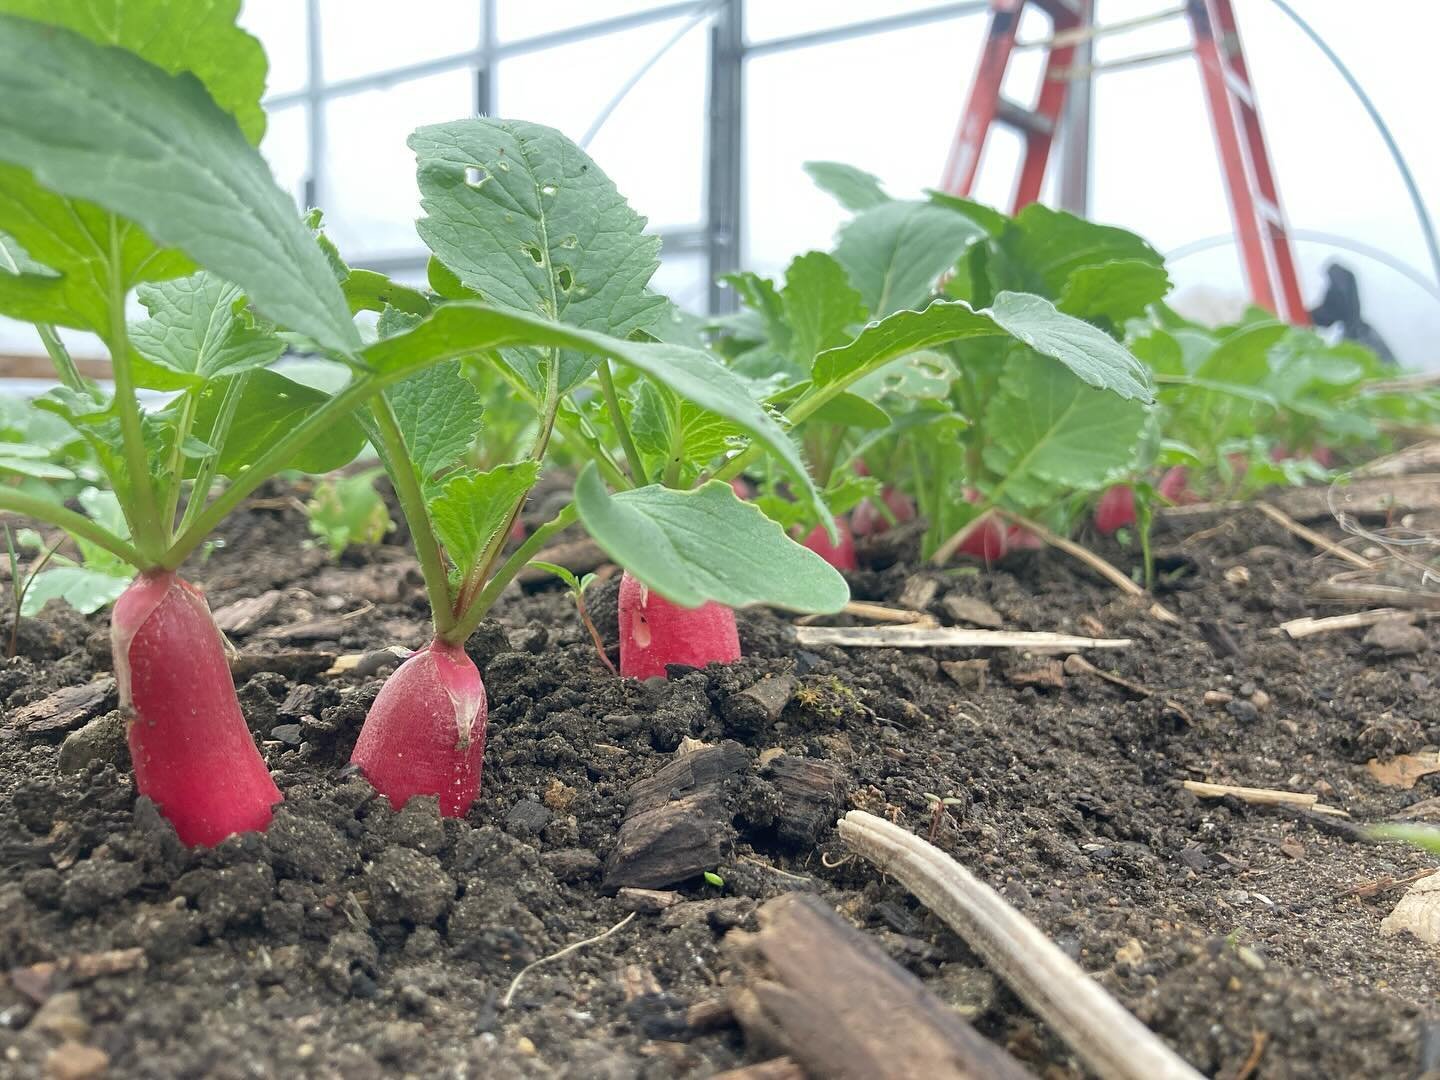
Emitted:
pixel 270 407
pixel 102 125
pixel 1085 350
pixel 26 465
pixel 198 329
pixel 760 296
pixel 84 589
pixel 175 35
pixel 472 507
pixel 894 253
pixel 819 305
pixel 1116 291
pixel 463 329
pixel 850 410
pixel 706 544
pixel 524 218
pixel 439 413
pixel 559 571
pixel 1049 430
pixel 1052 244
pixel 365 290
pixel 854 189
pixel 348 510
pixel 991 220
pixel 703 435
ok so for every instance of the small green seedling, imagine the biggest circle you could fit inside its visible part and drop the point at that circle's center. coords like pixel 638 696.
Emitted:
pixel 20 582
pixel 714 879
pixel 1422 836
pixel 577 588
pixel 349 511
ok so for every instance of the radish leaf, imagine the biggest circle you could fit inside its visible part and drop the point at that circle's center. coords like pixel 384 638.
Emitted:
pixel 103 125
pixel 1117 291
pixel 1089 352
pixel 1049 431
pixel 198 329
pixel 521 216
pixel 820 307
pixel 894 253
pixel 439 413
pixel 270 406
pixel 854 189
pixel 706 544
pixel 471 507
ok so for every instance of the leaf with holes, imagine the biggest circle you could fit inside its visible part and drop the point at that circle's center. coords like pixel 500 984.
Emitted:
pixel 895 253
pixel 521 216
pixel 706 544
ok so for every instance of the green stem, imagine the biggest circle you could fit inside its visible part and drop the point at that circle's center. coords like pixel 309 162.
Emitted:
pixel 205 476
pixel 272 461
pixel 412 505
pixel 176 470
pixel 61 358
pixel 144 514
pixel 484 600
pixel 77 525
pixel 617 417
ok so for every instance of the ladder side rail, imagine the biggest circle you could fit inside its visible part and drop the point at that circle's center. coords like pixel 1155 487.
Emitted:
pixel 1054 88
pixel 963 162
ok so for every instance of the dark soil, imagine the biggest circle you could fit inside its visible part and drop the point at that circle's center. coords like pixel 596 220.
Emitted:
pixel 352 941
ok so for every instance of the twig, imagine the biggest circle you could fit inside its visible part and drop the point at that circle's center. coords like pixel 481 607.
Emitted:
pixel 566 951
pixel 1075 664
pixel 1098 1028
pixel 773 869
pixel 1109 572
pixel 1263 796
pixel 860 609
pixel 939 637
pixel 1337 588
pixel 1355 620
pixel 1310 536
pixel 1374 886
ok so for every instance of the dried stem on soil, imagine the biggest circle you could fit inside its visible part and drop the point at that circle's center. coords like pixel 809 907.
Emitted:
pixel 1098 1028
pixel 942 637
pixel 1310 536
pixel 566 951
pixel 1106 570
pixel 1263 796
pixel 860 609
pixel 1355 620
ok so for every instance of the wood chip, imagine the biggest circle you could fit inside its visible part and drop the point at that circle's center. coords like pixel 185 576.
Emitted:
pixel 1050 675
pixel 66 709
pixel 969 609
pixel 36 981
pixel 909 637
pixel 329 629
pixel 967 674
pixel 1403 770
pixel 242 616
pixel 368 663
pixel 647 901
pixel 918 593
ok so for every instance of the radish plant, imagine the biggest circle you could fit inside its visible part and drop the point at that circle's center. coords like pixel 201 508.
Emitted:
pixel 517 214
pixel 128 163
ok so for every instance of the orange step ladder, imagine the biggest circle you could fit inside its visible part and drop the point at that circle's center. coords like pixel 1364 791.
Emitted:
pixel 1260 229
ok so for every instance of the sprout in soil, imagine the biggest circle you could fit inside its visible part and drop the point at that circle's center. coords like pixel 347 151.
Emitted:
pixel 577 587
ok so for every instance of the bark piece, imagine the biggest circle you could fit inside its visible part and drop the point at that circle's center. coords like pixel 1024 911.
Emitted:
pixel 827 996
pixel 1049 675
pixel 647 901
pixel 759 706
pixel 967 673
pixel 811 795
pixel 919 591
pixel 66 709
pixel 294 664
pixel 678 823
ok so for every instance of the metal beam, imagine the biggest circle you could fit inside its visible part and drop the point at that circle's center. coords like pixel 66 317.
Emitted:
pixel 1075 133
pixel 724 146
pixel 871 26
pixel 485 72
pixel 502 50
pixel 314 97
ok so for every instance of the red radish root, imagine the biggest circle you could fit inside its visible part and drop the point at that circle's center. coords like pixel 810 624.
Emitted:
pixel 840 555
pixel 425 733
pixel 1116 509
pixel 193 755
pixel 1174 485
pixel 654 632
pixel 867 520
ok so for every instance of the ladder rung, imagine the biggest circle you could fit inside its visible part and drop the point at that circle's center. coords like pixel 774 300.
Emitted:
pixel 1021 118
pixel 1060 9
pixel 1083 71
pixel 1061 38
pixel 1238 86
